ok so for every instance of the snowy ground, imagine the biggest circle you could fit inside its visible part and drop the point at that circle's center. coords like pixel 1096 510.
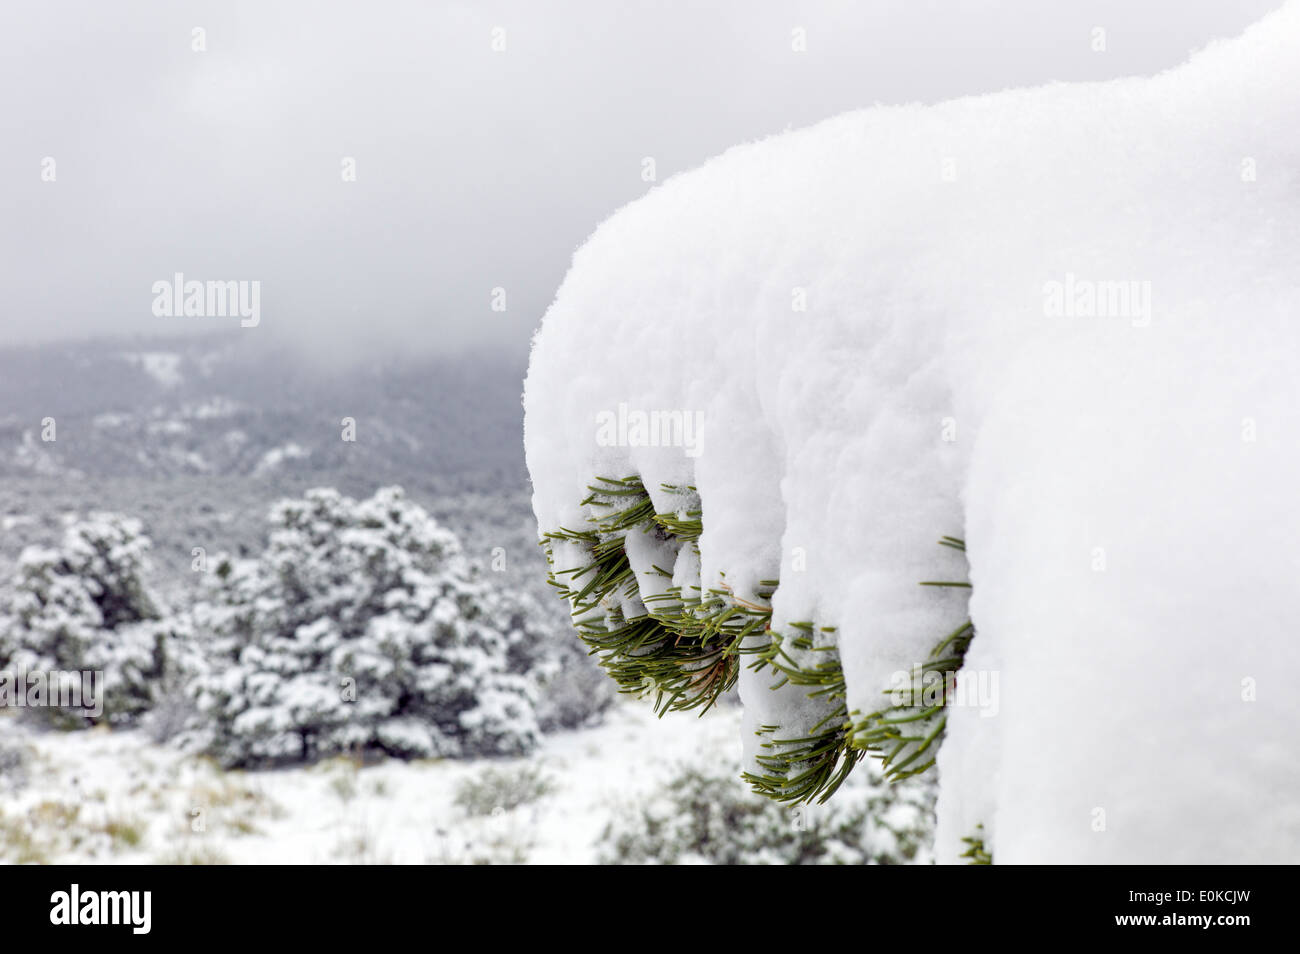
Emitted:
pixel 115 797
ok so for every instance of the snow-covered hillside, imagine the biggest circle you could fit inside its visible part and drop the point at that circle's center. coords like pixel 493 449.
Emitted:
pixel 1057 323
pixel 207 406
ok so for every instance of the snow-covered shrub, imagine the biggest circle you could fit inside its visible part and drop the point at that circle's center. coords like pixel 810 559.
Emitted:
pixel 85 606
pixel 1077 354
pixel 14 759
pixel 572 692
pixel 173 713
pixel 703 815
pixel 503 838
pixel 502 789
pixel 361 627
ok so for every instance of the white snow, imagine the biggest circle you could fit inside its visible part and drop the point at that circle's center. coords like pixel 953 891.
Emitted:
pixel 394 812
pixel 168 428
pixel 163 366
pixel 215 407
pixel 276 457
pixel 1079 352
pixel 110 420
pixel 33 456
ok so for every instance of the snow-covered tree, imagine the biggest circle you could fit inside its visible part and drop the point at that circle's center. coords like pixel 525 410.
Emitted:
pixel 85 606
pixel 362 627
pixel 701 814
pixel 571 691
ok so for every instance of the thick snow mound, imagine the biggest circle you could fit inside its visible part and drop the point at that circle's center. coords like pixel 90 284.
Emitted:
pixel 1061 323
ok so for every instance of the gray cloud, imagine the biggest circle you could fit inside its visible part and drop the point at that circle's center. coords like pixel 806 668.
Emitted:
pixel 475 169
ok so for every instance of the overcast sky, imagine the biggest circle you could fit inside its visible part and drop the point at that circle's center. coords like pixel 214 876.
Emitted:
pixel 475 168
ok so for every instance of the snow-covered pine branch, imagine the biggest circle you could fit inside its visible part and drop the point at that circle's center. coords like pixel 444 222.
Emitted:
pixel 1057 323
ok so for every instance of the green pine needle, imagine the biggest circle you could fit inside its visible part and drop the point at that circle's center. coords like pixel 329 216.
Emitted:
pixel 977 853
pixel 684 651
